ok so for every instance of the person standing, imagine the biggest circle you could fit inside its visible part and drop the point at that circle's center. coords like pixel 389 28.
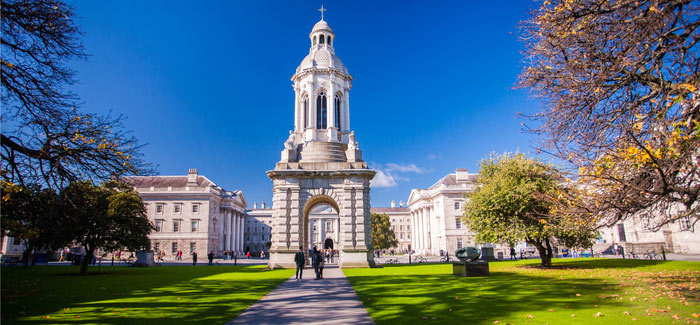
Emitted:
pixel 316 262
pixel 194 258
pixel 262 255
pixel 299 260
pixel 321 264
pixel 247 255
pixel 211 258
pixel 512 254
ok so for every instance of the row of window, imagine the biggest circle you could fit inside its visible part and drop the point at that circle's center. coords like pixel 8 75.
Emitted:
pixel 408 227
pixel 322 111
pixel 255 237
pixel 177 208
pixel 255 229
pixel 321 39
pixel 177 225
pixel 174 249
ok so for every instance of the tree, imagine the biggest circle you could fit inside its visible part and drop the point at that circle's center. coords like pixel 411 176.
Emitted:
pixel 383 237
pixel 45 140
pixel 513 202
pixel 109 217
pixel 31 215
pixel 619 82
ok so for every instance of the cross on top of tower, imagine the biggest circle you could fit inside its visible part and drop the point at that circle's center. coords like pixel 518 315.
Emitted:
pixel 322 10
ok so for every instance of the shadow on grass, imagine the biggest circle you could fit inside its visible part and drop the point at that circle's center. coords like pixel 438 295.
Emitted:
pixel 164 294
pixel 443 298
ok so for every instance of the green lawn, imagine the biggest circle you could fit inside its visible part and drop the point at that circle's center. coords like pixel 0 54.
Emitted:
pixel 165 294
pixel 574 291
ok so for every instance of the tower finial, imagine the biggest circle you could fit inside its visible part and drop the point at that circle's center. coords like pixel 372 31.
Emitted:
pixel 322 10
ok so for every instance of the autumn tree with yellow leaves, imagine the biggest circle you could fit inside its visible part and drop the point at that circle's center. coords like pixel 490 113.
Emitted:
pixel 619 83
pixel 45 139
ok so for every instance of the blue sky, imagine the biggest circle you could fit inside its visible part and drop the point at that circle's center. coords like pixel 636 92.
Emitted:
pixel 207 84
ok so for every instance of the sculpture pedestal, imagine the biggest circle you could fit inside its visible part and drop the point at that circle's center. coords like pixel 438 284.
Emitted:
pixel 144 258
pixel 470 269
pixel 487 254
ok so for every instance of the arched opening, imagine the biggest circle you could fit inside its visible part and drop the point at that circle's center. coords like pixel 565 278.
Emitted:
pixel 336 109
pixel 314 41
pixel 329 40
pixel 306 111
pixel 321 111
pixel 321 39
pixel 322 226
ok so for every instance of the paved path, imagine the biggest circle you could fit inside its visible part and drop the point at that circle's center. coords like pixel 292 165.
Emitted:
pixel 330 300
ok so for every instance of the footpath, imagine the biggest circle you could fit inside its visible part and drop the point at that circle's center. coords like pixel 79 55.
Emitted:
pixel 330 300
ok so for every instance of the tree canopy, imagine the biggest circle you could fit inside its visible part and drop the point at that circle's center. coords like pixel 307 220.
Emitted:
pixel 513 203
pixel 109 217
pixel 619 82
pixel 383 237
pixel 46 140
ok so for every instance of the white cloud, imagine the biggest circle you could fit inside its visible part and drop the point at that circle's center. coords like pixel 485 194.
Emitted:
pixel 382 179
pixel 405 168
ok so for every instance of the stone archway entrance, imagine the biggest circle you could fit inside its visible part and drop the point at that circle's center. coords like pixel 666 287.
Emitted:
pixel 321 222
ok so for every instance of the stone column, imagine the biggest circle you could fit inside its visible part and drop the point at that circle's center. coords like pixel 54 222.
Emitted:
pixel 426 225
pixel 346 126
pixel 234 234
pixel 241 233
pixel 413 230
pixel 298 125
pixel 429 233
pixel 227 230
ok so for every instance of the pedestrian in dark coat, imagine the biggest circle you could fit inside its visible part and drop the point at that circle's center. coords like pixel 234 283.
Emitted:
pixel 316 262
pixel 300 261
pixel 211 258
pixel 194 258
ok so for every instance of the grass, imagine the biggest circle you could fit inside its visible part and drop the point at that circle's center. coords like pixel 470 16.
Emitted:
pixel 574 291
pixel 130 295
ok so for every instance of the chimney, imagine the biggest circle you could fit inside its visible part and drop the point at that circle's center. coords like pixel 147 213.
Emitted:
pixel 400 204
pixel 262 205
pixel 192 177
pixel 462 175
pixel 393 203
pixel 255 205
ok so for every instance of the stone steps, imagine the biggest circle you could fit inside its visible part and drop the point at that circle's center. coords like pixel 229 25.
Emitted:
pixel 322 151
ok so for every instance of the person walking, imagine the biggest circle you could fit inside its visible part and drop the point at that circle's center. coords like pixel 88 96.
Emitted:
pixel 299 260
pixel 512 254
pixel 194 258
pixel 262 255
pixel 247 255
pixel 321 264
pixel 316 262
pixel 211 258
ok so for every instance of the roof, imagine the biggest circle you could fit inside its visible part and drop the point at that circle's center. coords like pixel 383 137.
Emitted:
pixel 384 210
pixel 451 179
pixel 321 25
pixel 165 181
pixel 322 58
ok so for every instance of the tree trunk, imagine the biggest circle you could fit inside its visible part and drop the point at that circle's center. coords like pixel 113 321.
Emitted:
pixel 544 256
pixel 87 260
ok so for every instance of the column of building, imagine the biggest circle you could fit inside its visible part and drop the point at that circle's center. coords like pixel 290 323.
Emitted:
pixel 227 229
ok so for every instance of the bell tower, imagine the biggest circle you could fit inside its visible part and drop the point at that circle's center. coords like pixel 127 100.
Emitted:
pixel 321 163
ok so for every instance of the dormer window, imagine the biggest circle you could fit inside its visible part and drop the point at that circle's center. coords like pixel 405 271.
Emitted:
pixel 321 40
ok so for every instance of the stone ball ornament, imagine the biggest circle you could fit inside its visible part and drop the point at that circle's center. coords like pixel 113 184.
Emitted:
pixel 468 254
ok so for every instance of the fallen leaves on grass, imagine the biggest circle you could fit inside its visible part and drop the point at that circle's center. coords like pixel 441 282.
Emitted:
pixel 598 314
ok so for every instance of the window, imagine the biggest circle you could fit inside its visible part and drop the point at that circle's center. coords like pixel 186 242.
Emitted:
pixel 408 235
pixel 177 207
pixel 621 232
pixel 321 39
pixel 193 247
pixel 458 224
pixel 314 41
pixel 336 109
pixel 685 223
pixel 459 243
pixel 159 208
pixel 159 225
pixel 401 235
pixel 457 206
pixel 646 224
pixel 156 246
pixel 408 227
pixel 329 226
pixel 176 225
pixel 195 225
pixel 393 228
pixel 256 221
pixel 173 249
pixel 195 208
pixel 321 109
pixel 329 40
pixel 247 229
pixel 306 109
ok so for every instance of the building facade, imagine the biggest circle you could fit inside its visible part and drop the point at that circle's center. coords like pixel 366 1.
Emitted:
pixel 192 214
pixel 636 235
pixel 436 214
pixel 400 218
pixel 258 229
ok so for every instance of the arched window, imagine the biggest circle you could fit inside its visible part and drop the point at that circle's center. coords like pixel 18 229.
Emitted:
pixel 337 111
pixel 321 111
pixel 306 111
pixel 314 41
pixel 329 40
pixel 321 39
